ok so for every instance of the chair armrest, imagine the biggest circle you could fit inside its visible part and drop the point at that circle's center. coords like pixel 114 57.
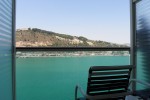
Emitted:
pixel 78 87
pixel 140 82
pixel 98 97
pixel 143 94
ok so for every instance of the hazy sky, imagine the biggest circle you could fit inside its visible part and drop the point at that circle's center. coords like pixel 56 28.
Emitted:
pixel 107 20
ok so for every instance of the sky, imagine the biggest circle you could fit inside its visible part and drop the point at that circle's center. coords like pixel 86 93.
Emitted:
pixel 106 20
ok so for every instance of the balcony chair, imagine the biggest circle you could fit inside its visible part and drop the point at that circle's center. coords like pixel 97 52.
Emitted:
pixel 107 83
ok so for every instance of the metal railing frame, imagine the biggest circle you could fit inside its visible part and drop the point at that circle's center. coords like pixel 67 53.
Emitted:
pixel 13 50
pixel 133 56
pixel 132 39
pixel 73 49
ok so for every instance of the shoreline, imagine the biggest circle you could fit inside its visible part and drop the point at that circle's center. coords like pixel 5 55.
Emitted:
pixel 86 55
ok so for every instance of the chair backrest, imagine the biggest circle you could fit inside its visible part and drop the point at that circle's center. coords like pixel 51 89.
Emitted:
pixel 108 79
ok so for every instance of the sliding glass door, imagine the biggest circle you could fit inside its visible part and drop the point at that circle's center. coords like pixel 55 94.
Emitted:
pixel 143 41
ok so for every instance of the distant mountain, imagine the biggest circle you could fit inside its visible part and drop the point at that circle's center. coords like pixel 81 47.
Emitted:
pixel 34 37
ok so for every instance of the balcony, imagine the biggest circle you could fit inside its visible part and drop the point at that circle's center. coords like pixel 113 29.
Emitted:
pixel 52 73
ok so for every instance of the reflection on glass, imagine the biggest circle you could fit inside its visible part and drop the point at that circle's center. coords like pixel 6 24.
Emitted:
pixel 5 49
pixel 143 41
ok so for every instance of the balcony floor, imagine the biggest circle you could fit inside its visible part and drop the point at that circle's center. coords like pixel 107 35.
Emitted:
pixel 132 98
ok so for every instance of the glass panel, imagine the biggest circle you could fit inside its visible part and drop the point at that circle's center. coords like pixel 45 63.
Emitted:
pixel 5 49
pixel 143 41
pixel 54 75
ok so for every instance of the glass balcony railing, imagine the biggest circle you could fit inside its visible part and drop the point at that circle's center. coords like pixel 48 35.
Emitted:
pixel 51 75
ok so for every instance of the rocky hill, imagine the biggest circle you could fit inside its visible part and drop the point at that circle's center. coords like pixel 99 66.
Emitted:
pixel 40 38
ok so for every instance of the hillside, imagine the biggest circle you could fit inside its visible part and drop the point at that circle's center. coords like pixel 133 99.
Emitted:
pixel 41 38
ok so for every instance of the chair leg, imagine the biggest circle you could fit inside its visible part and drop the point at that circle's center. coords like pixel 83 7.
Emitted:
pixel 124 98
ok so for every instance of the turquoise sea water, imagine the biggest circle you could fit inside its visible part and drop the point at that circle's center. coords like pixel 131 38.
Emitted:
pixel 54 78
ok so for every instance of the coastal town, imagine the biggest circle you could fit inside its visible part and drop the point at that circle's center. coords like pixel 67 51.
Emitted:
pixel 71 54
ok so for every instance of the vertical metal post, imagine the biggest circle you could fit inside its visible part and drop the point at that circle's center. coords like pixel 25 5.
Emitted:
pixel 133 39
pixel 13 50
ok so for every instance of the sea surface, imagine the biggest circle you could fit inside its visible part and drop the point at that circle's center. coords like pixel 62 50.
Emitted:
pixel 55 78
